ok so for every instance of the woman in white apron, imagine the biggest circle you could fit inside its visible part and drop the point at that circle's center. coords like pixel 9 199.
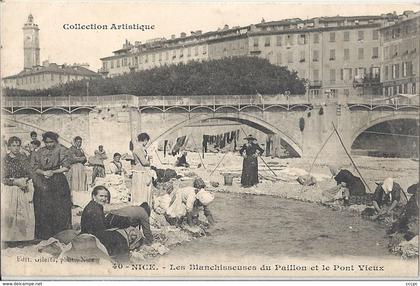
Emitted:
pixel 77 175
pixel 141 185
pixel 17 211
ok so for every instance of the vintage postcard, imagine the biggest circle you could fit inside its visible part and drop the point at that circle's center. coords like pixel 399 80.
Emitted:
pixel 228 140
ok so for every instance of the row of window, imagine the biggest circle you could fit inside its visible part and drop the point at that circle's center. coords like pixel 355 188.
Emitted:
pixel 302 39
pixel 347 74
pixel 405 88
pixel 230 46
pixel 346 54
pixel 333 92
pixel 401 49
pixel 44 77
pixel 332 55
pixel 301 25
pixel 393 71
pixel 405 30
pixel 161 56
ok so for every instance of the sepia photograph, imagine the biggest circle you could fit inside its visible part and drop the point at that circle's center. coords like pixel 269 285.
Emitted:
pixel 209 140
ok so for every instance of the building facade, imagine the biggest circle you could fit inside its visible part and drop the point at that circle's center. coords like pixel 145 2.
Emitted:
pixel 155 53
pixel 400 64
pixel 48 75
pixel 337 55
pixel 35 76
pixel 198 46
pixel 226 42
pixel 334 54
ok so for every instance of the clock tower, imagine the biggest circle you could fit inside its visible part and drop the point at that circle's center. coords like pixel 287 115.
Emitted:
pixel 31 43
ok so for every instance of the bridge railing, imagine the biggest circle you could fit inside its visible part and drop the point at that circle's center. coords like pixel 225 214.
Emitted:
pixel 200 100
pixel 383 100
pixel 218 100
pixel 70 101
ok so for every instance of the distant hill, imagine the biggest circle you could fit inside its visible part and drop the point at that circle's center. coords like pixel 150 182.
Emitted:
pixel 239 75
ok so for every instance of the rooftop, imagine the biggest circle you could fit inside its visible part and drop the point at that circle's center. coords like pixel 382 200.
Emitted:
pixel 56 69
pixel 226 31
pixel 406 16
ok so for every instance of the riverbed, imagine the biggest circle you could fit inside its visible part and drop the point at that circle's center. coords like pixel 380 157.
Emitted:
pixel 266 226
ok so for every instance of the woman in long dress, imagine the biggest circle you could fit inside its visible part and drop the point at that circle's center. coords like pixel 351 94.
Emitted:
pixel 250 151
pixel 16 195
pixel 141 185
pixel 52 201
pixel 77 174
pixel 98 164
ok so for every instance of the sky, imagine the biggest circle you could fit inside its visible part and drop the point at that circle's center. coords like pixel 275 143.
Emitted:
pixel 79 46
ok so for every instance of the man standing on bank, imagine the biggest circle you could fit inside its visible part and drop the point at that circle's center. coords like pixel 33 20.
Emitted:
pixel 250 151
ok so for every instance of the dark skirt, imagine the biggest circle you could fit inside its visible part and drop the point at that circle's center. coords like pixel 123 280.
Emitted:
pixel 113 220
pixel 115 244
pixel 52 205
pixel 98 171
pixel 249 172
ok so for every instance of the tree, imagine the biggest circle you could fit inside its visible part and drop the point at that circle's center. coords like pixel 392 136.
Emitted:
pixel 228 76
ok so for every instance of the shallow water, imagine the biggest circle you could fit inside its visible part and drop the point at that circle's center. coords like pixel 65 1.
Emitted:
pixel 249 225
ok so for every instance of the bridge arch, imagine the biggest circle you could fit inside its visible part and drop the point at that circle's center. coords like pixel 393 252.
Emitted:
pixel 243 118
pixel 359 131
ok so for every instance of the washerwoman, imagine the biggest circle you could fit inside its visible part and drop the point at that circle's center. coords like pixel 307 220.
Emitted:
pixel 77 174
pixel 52 202
pixel 141 187
pixel 250 151
pixel 16 194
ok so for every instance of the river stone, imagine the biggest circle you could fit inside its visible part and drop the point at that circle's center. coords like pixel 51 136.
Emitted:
pixel 176 237
pixel 357 208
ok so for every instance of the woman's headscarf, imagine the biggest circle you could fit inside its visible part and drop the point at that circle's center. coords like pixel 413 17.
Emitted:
pixel 204 197
pixel 387 185
pixel 51 135
pixel 168 187
pixel 74 141
pixel 334 169
pixel 199 183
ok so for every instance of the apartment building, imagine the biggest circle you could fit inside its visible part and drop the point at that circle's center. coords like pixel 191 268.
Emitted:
pixel 48 75
pixel 225 42
pixel 337 55
pixel 400 56
pixel 152 54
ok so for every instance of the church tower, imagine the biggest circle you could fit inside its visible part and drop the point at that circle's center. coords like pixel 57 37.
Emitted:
pixel 31 43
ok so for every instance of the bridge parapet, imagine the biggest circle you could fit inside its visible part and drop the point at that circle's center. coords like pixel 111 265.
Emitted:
pixel 378 102
pixel 216 101
pixel 71 103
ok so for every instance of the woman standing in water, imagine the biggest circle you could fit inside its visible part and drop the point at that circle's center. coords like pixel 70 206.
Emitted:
pixel 141 188
pixel 77 174
pixel 250 151
pixel 17 192
pixel 52 202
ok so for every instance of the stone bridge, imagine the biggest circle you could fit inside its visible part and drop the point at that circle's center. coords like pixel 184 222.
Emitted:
pixel 299 122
